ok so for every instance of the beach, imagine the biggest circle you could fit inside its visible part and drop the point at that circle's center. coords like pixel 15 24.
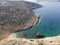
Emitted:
pixel 12 40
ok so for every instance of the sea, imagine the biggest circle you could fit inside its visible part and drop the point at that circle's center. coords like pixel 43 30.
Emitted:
pixel 49 24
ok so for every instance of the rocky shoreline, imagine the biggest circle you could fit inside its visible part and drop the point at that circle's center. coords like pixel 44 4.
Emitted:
pixel 12 40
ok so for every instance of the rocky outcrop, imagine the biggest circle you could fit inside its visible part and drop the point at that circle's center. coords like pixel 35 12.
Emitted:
pixel 16 16
pixel 39 35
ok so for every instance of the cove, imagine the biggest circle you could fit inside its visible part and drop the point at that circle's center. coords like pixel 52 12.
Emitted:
pixel 50 21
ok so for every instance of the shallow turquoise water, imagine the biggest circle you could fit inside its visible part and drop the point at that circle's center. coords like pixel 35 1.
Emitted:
pixel 50 21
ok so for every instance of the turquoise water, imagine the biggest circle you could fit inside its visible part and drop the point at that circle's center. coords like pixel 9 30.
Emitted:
pixel 50 21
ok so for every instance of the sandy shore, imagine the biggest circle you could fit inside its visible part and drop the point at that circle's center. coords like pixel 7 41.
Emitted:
pixel 12 40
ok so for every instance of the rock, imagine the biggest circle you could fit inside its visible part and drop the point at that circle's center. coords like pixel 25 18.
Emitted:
pixel 24 34
pixel 39 35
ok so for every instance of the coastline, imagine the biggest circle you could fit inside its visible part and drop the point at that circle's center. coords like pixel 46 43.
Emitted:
pixel 22 41
pixel 36 19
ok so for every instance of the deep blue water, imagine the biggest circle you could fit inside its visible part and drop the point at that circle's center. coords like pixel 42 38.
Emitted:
pixel 50 21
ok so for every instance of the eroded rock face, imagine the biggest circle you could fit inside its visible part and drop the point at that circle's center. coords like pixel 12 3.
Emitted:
pixel 14 18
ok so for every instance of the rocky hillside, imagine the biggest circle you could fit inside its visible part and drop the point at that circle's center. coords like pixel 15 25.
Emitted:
pixel 16 16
